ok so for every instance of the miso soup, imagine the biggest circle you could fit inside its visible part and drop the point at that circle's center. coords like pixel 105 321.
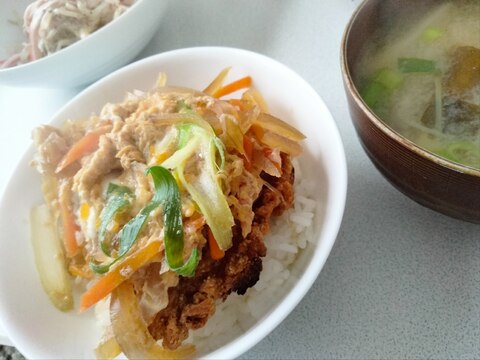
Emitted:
pixel 422 77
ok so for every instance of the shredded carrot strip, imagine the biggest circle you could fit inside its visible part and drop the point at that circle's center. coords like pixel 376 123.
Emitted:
pixel 248 155
pixel 242 83
pixel 82 147
pixel 258 131
pixel 70 228
pixel 215 252
pixel 106 284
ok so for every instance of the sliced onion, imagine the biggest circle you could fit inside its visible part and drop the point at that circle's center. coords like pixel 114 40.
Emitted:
pixel 263 162
pixel 281 143
pixel 217 83
pixel 254 97
pixel 234 134
pixel 50 259
pixel 131 332
pixel 177 119
pixel 274 190
pixel 206 191
pixel 270 168
pixel 161 81
pixel 177 89
pixel 279 127
pixel 246 118
pixel 107 349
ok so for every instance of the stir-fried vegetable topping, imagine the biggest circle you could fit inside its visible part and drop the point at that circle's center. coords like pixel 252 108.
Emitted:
pixel 183 169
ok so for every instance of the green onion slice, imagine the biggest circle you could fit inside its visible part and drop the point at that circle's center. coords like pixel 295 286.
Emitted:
pixel 118 199
pixel 206 190
pixel 431 34
pixel 389 78
pixel 166 195
pixel 415 65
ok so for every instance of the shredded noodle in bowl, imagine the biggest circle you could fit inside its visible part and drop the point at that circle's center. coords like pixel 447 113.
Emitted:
pixel 52 25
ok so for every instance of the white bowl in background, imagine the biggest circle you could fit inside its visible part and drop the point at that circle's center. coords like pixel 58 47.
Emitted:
pixel 41 331
pixel 85 61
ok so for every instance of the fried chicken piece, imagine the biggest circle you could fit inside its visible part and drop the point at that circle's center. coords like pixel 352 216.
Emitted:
pixel 192 302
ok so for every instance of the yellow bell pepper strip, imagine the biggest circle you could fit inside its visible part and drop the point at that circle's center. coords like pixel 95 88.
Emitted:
pixel 217 83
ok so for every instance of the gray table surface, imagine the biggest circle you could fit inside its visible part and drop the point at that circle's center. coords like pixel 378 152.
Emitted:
pixel 402 281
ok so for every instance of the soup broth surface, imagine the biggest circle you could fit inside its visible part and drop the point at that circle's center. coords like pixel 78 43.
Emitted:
pixel 421 76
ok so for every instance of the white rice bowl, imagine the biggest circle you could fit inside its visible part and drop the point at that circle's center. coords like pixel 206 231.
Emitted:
pixel 298 245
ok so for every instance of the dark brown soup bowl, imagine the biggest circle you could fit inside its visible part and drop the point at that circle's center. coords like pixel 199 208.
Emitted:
pixel 430 180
